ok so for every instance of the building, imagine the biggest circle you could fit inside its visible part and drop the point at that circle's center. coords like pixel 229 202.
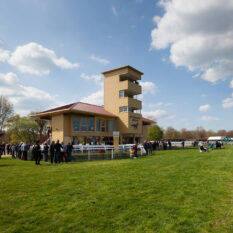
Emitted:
pixel 86 123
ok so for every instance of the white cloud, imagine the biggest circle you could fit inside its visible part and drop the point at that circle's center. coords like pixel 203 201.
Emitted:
pixel 204 95
pixel 159 104
pixel 148 88
pixel 100 60
pixel 228 102
pixel 114 10
pixel 209 118
pixel 156 105
pixel 24 98
pixel 157 114
pixel 204 108
pixel 96 78
pixel 199 34
pixel 231 84
pixel 4 55
pixel 94 98
pixel 35 59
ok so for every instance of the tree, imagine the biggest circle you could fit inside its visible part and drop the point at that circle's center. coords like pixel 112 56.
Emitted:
pixel 6 111
pixel 171 133
pixel 42 124
pixel 221 132
pixel 187 134
pixel 155 133
pixel 22 129
pixel 229 133
pixel 200 132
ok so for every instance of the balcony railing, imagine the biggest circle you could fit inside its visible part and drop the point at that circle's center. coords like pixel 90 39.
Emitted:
pixel 130 87
pixel 134 103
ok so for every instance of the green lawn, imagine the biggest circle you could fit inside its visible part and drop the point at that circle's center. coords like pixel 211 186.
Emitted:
pixel 171 191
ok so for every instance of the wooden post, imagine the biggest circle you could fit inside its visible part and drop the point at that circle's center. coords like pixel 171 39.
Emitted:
pixel 116 135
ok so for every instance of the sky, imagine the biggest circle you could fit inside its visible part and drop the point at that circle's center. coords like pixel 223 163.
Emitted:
pixel 52 52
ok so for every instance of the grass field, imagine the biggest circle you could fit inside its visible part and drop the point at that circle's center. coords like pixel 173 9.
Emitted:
pixel 171 191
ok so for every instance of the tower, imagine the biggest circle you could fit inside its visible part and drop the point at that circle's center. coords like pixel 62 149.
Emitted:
pixel 121 88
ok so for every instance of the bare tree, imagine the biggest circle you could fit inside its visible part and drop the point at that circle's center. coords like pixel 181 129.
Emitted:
pixel 229 133
pixel 6 111
pixel 222 132
pixel 42 124
pixel 200 132
pixel 171 133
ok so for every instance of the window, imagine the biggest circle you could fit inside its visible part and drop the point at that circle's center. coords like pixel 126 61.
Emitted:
pixel 111 125
pixel 106 125
pixel 103 126
pixel 83 124
pixel 126 109
pixel 91 126
pixel 97 125
pixel 76 127
pixel 123 109
pixel 122 94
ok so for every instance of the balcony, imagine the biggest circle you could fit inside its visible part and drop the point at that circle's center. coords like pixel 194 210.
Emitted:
pixel 127 101
pixel 130 87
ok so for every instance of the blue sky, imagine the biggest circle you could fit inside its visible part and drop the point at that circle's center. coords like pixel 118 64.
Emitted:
pixel 53 53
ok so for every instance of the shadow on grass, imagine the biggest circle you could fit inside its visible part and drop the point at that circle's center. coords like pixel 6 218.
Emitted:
pixel 7 165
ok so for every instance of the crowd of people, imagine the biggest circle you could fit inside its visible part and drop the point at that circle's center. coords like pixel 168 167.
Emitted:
pixel 15 150
pixel 58 152
pixel 158 145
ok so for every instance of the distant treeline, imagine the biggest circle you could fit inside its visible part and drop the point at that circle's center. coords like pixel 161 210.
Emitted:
pixel 198 133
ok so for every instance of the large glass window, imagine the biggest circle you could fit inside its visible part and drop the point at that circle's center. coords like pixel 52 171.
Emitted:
pixel 76 125
pixel 102 125
pixel 97 125
pixel 126 109
pixel 122 94
pixel 91 126
pixel 106 125
pixel 111 125
pixel 83 124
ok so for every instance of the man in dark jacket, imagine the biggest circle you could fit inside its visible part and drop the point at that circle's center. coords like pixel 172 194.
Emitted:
pixel 37 153
pixel 46 151
pixel 52 153
pixel 69 152
pixel 58 147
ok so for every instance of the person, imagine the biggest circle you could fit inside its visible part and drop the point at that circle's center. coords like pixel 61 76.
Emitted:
pixel 150 147
pixel 46 151
pixel 164 145
pixel 135 149
pixel 169 145
pixel 202 148
pixel 20 150
pixel 58 147
pixel 8 147
pixel 69 151
pixel 160 145
pixel 13 151
pixel 16 150
pixel 52 153
pixel 63 152
pixel 211 146
pixel 145 145
pixel 182 144
pixel 4 148
pixel 1 150
pixel 37 153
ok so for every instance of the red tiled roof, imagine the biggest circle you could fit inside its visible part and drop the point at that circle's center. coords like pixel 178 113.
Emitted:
pixel 91 108
pixel 148 120
pixel 58 108
pixel 83 107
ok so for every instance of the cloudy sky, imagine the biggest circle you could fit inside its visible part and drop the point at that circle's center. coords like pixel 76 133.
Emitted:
pixel 52 52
